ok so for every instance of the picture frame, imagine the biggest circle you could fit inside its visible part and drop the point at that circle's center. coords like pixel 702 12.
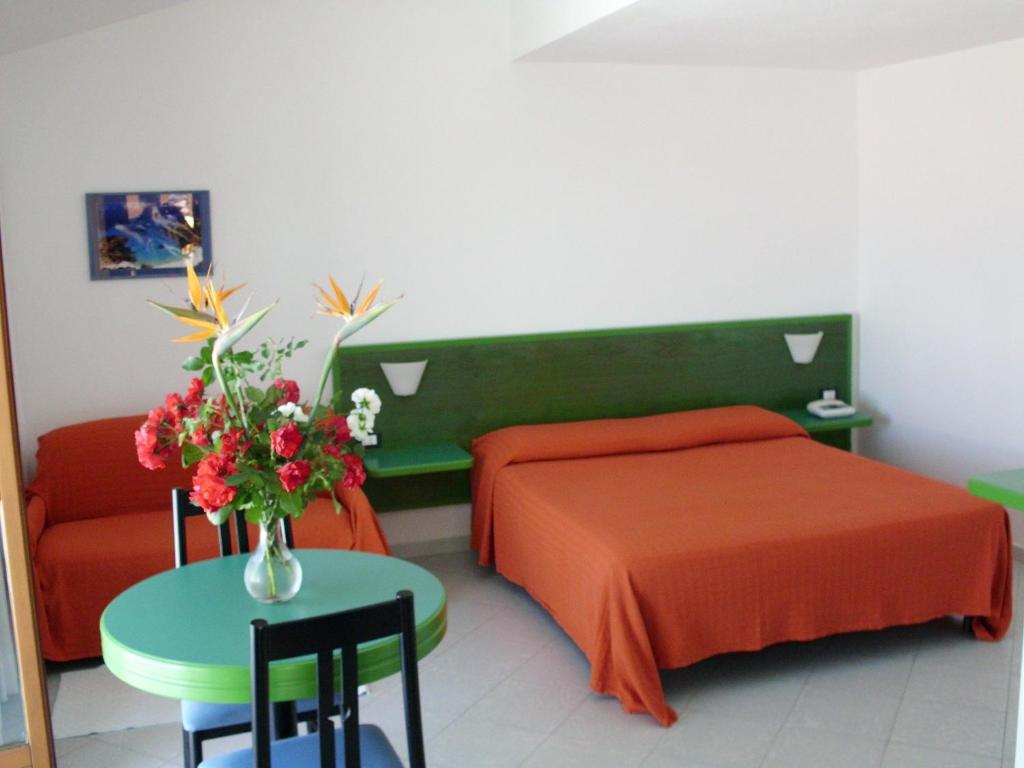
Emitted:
pixel 148 234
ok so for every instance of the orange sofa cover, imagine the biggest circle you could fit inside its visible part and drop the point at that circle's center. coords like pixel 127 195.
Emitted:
pixel 99 522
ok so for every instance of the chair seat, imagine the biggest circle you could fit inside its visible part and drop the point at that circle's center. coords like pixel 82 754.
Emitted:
pixel 201 716
pixel 304 752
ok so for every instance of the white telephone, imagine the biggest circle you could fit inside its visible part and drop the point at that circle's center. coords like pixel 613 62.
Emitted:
pixel 831 408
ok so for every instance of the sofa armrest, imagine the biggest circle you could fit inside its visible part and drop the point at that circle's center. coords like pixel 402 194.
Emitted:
pixel 35 512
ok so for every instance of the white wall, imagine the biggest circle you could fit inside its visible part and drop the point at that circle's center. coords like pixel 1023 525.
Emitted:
pixel 398 138
pixel 942 261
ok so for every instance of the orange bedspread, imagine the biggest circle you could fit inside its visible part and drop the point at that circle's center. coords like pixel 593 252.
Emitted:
pixel 661 541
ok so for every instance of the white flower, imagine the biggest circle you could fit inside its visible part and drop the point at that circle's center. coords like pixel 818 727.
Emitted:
pixel 366 400
pixel 360 424
pixel 294 412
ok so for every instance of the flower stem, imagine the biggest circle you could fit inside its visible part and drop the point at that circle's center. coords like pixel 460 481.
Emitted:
pixel 328 363
pixel 232 406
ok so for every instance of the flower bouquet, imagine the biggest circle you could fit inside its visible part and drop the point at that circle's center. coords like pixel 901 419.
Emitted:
pixel 255 446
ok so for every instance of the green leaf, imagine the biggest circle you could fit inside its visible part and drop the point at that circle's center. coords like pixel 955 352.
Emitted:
pixel 234 334
pixel 190 454
pixel 207 377
pixel 193 363
pixel 291 504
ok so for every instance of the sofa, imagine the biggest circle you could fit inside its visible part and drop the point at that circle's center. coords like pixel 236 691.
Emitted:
pixel 99 522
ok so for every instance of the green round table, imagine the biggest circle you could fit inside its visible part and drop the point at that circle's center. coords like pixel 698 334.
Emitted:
pixel 184 633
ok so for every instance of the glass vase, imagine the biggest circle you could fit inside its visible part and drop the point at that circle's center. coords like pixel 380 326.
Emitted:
pixel 273 574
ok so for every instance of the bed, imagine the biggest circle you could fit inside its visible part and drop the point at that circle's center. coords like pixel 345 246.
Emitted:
pixel 656 542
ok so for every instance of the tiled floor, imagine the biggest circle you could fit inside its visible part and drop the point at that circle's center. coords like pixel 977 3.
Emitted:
pixel 507 688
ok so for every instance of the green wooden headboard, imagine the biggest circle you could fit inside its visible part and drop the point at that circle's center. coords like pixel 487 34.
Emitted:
pixel 472 386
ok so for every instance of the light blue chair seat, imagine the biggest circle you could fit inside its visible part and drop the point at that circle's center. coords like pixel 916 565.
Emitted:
pixel 303 752
pixel 201 716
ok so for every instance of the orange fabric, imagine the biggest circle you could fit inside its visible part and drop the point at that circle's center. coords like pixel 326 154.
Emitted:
pixel 91 470
pixel 604 437
pixel 98 523
pixel 656 560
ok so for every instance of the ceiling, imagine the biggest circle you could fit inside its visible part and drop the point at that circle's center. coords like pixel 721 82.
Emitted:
pixel 815 34
pixel 26 23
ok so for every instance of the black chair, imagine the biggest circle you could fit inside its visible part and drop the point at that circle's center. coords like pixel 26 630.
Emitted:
pixel 201 721
pixel 353 745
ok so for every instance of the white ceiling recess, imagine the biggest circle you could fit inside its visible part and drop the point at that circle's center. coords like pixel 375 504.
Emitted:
pixel 27 23
pixel 805 34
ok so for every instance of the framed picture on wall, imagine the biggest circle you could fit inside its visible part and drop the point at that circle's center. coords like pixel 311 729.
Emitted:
pixel 147 234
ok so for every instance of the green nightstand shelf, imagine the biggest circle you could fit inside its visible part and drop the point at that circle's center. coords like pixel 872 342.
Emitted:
pixel 834 432
pixel 416 460
pixel 417 476
pixel 814 424
pixel 1006 487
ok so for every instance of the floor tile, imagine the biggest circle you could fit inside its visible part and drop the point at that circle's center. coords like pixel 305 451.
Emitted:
pixel 540 708
pixel 569 753
pixel 602 722
pixel 703 739
pixel 876 672
pixel 471 742
pixel 559 663
pixel 755 695
pixel 950 727
pixel 160 741
pixel 845 710
pixel 909 756
pixel 951 684
pixel 811 748
pixel 96 753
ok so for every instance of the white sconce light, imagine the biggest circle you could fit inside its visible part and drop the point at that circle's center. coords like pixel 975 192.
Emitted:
pixel 803 346
pixel 404 378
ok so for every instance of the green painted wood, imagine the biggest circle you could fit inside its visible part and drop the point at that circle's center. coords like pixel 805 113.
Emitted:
pixel 472 386
pixel 184 633
pixel 815 424
pixel 437 489
pixel 1006 487
pixel 416 460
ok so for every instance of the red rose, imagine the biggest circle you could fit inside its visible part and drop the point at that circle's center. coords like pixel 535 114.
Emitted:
pixel 286 440
pixel 336 429
pixel 355 473
pixel 289 391
pixel 209 489
pixel 175 410
pixel 294 474
pixel 199 436
pixel 153 440
pixel 194 396
pixel 147 448
pixel 231 443
pixel 332 450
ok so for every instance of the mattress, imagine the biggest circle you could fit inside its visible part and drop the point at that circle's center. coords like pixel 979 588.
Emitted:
pixel 661 541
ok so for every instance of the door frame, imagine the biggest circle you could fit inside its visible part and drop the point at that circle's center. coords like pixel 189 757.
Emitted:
pixel 38 752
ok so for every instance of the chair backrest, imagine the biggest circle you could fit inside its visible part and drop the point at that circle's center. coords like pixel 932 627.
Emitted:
pixel 322 636
pixel 182 509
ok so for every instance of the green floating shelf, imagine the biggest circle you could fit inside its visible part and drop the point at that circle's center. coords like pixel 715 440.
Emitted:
pixel 813 423
pixel 416 460
pixel 1006 488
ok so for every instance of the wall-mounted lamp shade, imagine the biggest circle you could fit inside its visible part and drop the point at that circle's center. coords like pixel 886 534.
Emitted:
pixel 404 378
pixel 803 346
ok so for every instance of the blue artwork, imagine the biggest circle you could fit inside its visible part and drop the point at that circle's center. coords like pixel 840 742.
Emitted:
pixel 144 234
